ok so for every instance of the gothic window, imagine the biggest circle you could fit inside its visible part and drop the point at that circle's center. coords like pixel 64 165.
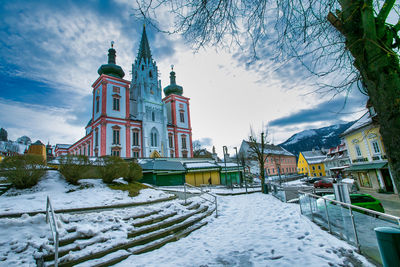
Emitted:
pixel 183 138
pixel 170 140
pixel 97 104
pixel 135 137
pixel 142 67
pixel 153 116
pixel 116 136
pixel 153 138
pixel 116 102
pixel 182 116
pixel 150 74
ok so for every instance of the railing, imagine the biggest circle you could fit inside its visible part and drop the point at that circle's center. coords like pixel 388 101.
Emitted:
pixel 352 223
pixel 203 192
pixel 50 218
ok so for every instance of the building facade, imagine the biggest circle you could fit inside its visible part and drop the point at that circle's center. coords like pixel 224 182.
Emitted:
pixel 311 163
pixel 337 159
pixel 369 165
pixel 278 161
pixel 130 118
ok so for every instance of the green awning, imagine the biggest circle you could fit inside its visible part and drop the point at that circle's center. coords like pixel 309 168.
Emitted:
pixel 367 166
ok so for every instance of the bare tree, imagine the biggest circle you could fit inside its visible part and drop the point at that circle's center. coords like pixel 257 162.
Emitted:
pixel 257 144
pixel 351 43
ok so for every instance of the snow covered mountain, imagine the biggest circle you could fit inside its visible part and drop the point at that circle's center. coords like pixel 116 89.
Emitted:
pixel 306 140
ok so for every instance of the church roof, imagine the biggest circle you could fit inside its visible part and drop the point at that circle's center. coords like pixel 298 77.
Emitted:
pixel 144 48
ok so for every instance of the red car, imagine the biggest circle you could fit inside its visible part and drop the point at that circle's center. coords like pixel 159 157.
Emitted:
pixel 323 184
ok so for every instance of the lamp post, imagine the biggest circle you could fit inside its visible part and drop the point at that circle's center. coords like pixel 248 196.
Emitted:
pixel 225 151
pixel 244 178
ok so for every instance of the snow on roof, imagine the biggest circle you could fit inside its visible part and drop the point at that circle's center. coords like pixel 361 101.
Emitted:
pixel 363 121
pixel 313 157
pixel 162 165
pixel 199 165
pixel 268 149
pixel 228 164
pixel 62 146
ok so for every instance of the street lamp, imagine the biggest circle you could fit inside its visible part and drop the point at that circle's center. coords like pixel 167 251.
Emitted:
pixel 244 178
pixel 225 151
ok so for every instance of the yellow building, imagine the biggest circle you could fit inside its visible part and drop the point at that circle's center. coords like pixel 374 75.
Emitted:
pixel 311 163
pixel 198 173
pixel 367 153
pixel 38 148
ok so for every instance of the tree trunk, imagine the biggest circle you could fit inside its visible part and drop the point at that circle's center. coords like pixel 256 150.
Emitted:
pixel 369 40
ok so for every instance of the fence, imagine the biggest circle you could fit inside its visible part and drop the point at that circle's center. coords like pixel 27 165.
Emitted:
pixel 351 223
pixel 203 192
pixel 50 218
pixel 285 193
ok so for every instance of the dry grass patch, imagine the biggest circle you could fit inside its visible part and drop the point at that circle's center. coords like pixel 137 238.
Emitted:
pixel 133 188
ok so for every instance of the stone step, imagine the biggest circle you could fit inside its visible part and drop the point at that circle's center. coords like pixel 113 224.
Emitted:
pixel 155 219
pixel 156 227
pixel 142 240
pixel 196 224
pixel 143 215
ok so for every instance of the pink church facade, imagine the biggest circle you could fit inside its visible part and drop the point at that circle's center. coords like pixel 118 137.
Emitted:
pixel 130 118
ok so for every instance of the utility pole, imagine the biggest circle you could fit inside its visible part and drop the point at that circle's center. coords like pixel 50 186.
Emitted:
pixel 262 162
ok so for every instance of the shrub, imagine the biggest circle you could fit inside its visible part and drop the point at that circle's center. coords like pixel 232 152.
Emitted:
pixel 74 167
pixel 112 168
pixel 23 171
pixel 134 173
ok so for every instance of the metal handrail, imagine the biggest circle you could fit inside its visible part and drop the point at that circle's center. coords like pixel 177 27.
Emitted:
pixel 50 217
pixel 203 192
pixel 355 207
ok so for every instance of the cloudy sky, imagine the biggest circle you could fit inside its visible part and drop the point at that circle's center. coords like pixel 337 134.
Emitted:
pixel 51 50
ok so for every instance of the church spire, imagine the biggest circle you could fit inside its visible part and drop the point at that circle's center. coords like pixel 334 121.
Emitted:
pixel 173 88
pixel 144 48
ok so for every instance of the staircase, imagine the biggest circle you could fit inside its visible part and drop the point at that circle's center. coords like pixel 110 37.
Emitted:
pixel 4 187
pixel 145 232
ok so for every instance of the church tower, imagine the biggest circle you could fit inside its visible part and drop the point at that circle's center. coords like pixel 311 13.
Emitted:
pixel 146 100
pixel 179 126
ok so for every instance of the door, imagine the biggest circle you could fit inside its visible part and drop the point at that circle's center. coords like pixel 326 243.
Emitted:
pixel 387 180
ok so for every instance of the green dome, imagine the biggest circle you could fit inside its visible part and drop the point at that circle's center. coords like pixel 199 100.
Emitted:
pixel 173 88
pixel 111 68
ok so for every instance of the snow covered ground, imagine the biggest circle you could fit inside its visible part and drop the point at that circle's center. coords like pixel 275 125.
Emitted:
pixel 90 192
pixel 254 230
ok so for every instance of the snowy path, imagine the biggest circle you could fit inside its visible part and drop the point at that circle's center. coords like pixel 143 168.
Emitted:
pixel 254 230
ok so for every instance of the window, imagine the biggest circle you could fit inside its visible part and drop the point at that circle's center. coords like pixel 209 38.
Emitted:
pixel 135 138
pixel 97 104
pixel 319 167
pixel 320 174
pixel 116 103
pixel 153 137
pixel 116 137
pixel 182 116
pixel 135 154
pixel 172 154
pixel 96 138
pixel 153 116
pixel 273 170
pixel 116 89
pixel 84 150
pixel 171 140
pixel 313 168
pixel 150 74
pixel 375 146
pixel 88 149
pixel 115 153
pixel 358 151
pixel 268 171
pixel 184 142
pixel 184 154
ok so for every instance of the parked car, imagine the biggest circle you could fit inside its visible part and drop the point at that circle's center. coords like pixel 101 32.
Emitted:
pixel 313 180
pixel 323 184
pixel 362 200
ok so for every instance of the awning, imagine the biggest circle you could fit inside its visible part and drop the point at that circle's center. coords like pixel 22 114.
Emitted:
pixel 367 166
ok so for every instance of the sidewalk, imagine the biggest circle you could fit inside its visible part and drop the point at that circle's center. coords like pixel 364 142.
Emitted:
pixel 390 202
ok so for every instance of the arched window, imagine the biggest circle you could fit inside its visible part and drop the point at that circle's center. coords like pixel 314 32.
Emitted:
pixel 150 74
pixel 154 137
pixel 153 116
